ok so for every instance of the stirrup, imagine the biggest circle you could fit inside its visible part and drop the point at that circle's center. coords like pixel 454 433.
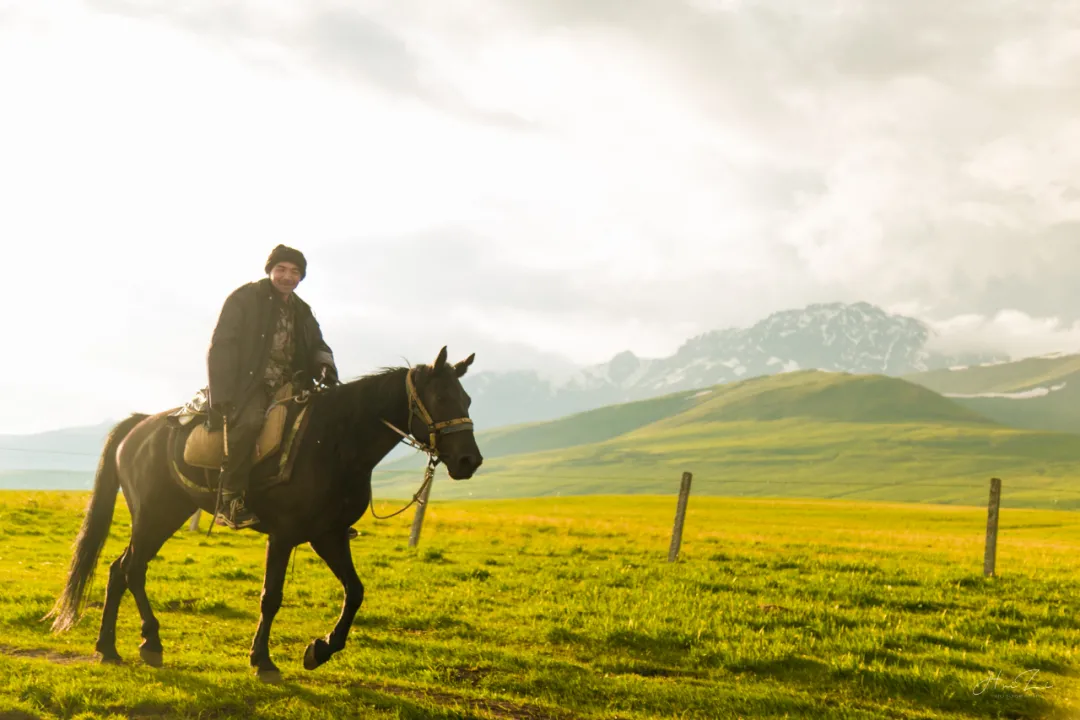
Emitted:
pixel 228 515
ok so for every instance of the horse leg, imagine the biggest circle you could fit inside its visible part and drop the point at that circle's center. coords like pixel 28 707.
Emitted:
pixel 335 552
pixel 114 593
pixel 148 533
pixel 277 562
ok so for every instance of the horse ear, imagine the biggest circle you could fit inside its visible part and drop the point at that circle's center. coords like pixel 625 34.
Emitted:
pixel 441 360
pixel 462 367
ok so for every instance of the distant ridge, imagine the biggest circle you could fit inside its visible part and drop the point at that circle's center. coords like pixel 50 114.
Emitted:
pixel 857 338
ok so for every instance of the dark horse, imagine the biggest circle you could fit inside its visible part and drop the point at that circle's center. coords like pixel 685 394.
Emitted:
pixel 329 490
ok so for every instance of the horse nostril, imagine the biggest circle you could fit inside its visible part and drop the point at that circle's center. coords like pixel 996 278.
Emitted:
pixel 469 463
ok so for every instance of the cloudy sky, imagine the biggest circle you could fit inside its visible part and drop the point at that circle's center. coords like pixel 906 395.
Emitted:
pixel 542 183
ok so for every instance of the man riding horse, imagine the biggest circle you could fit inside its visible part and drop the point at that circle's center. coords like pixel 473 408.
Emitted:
pixel 265 336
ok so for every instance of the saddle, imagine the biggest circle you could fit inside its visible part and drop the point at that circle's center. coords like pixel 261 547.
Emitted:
pixel 205 444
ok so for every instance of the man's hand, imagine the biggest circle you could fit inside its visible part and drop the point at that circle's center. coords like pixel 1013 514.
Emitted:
pixel 223 409
pixel 328 375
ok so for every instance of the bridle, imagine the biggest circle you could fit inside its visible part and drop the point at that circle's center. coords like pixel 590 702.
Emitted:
pixel 434 430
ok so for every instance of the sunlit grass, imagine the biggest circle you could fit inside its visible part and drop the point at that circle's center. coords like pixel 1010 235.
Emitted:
pixel 567 607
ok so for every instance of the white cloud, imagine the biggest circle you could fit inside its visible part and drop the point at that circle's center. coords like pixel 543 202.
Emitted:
pixel 623 176
pixel 1023 335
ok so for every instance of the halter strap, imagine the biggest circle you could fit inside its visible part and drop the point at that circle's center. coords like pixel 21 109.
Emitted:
pixel 417 409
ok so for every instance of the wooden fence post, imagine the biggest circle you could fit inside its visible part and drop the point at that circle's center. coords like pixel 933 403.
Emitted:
pixel 680 516
pixel 418 518
pixel 193 526
pixel 990 556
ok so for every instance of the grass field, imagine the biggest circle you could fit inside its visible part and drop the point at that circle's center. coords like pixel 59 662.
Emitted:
pixel 559 608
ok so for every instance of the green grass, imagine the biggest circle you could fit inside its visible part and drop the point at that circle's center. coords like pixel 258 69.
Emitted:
pixel 568 608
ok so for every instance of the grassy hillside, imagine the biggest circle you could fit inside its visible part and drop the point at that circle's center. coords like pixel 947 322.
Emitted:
pixel 75 449
pixel 806 434
pixel 567 608
pixel 1057 409
pixel 792 458
pixel 1000 378
pixel 805 394
pixel 826 397
pixel 586 427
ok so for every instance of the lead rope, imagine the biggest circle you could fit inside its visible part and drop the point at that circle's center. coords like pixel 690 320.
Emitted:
pixel 429 475
pixel 433 460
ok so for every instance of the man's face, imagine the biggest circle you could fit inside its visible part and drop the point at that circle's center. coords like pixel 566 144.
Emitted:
pixel 285 276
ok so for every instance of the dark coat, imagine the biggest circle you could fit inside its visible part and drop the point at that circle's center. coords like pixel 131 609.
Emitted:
pixel 240 347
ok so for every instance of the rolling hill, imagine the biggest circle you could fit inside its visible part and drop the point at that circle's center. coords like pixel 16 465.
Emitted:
pixel 809 434
pixel 56 460
pixel 1040 393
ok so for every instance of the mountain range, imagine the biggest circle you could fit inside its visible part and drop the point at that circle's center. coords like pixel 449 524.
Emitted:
pixel 856 338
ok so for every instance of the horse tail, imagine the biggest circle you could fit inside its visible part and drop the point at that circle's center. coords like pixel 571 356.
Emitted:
pixel 94 531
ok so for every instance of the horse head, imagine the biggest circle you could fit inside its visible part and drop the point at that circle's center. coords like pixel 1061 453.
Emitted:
pixel 439 416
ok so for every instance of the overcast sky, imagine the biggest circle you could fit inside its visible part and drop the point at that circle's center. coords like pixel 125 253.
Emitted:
pixel 539 182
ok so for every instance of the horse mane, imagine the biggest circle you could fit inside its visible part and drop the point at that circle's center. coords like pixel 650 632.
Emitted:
pixel 343 413
pixel 360 397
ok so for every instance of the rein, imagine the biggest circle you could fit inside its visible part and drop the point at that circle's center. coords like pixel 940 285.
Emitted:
pixel 417 410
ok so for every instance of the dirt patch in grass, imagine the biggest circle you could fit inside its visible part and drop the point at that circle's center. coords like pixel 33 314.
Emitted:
pixel 502 709
pixel 59 657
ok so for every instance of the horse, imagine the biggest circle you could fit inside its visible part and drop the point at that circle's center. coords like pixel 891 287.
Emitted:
pixel 350 428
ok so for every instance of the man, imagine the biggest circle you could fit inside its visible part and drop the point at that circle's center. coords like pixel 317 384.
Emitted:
pixel 265 337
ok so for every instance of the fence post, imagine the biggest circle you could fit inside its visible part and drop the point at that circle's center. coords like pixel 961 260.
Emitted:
pixel 680 516
pixel 418 518
pixel 193 526
pixel 990 556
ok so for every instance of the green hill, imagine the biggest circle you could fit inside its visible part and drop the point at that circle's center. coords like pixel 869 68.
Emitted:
pixel 585 427
pixel 1007 377
pixel 806 434
pixel 808 393
pixel 1034 393
pixel 833 397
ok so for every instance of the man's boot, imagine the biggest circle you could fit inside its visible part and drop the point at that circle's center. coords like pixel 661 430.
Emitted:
pixel 234 512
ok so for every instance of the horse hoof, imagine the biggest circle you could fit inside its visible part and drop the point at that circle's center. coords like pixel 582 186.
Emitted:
pixel 270 677
pixel 316 654
pixel 151 658
pixel 310 663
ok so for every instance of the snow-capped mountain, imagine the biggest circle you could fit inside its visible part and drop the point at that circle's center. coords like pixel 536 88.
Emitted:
pixel 858 338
